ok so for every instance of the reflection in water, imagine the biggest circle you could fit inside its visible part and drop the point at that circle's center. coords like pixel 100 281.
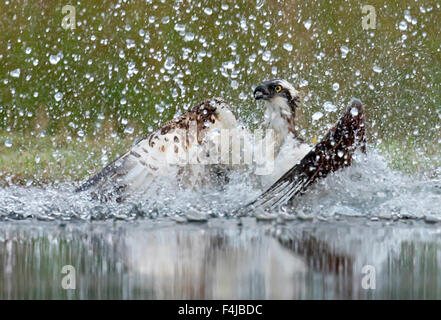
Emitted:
pixel 220 259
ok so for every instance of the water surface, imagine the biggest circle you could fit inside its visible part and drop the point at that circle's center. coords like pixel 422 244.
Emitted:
pixel 221 259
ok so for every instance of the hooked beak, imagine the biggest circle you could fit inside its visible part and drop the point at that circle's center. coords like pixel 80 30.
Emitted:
pixel 261 93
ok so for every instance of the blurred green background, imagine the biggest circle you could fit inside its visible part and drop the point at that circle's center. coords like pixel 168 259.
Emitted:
pixel 71 100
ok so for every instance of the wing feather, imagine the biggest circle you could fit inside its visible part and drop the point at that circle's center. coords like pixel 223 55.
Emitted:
pixel 173 151
pixel 332 153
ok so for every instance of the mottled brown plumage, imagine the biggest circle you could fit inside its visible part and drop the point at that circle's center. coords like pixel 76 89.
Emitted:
pixel 165 152
pixel 202 113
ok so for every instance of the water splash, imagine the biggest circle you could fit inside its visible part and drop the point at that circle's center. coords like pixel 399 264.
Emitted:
pixel 369 188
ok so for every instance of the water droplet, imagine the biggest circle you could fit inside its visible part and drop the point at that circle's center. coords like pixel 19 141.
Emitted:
pixel 316 116
pixel 123 101
pixel 15 73
pixel 189 36
pixel 266 56
pixel 37 159
pixel 335 86
pixel 344 51
pixel 287 46
pixel 55 58
pixel 104 159
pixel 180 27
pixel 28 50
pixel 169 63
pixel 130 43
pixel 377 69
pixel 340 154
pixel 403 25
pixel 208 11
pixel 329 107
pixel 228 65
pixel 307 24
pixel 354 112
pixel 8 143
pixel 243 24
pixel 407 16
pixel 58 96
pixel 303 83
pixel 129 130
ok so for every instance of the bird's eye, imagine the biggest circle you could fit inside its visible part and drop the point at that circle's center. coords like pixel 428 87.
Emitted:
pixel 278 89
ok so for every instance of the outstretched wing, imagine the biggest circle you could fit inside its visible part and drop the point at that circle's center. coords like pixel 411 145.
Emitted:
pixel 174 150
pixel 333 152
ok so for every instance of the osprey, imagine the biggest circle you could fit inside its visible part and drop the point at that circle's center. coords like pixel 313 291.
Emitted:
pixel 185 152
pixel 281 101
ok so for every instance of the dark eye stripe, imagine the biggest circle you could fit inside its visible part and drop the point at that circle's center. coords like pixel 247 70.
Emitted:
pixel 286 92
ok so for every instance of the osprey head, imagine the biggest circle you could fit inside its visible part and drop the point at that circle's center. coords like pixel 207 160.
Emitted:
pixel 278 93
